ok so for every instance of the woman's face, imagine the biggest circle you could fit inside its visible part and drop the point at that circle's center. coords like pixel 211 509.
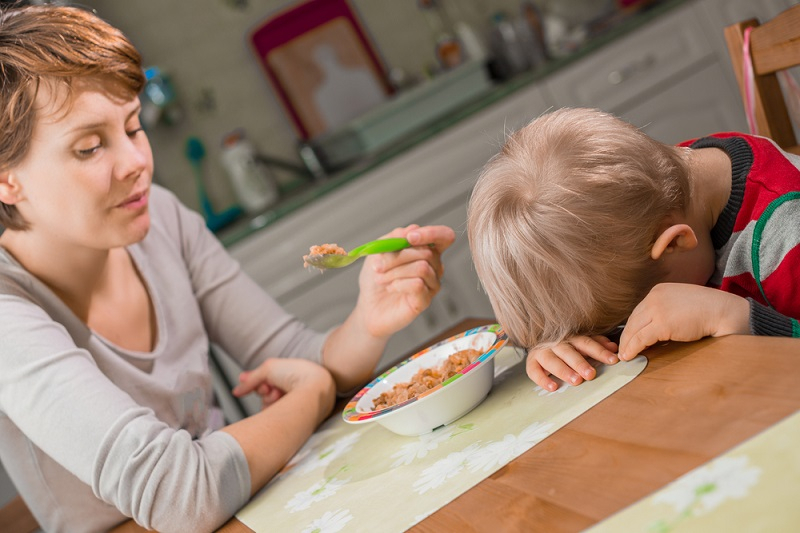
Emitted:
pixel 86 178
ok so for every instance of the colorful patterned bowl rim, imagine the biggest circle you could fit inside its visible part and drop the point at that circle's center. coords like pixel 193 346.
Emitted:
pixel 350 414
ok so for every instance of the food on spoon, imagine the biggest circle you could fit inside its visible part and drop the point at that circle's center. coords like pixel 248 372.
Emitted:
pixel 323 249
pixel 426 379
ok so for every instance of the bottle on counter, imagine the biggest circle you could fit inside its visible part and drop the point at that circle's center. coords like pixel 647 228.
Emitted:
pixel 252 182
pixel 448 48
pixel 509 56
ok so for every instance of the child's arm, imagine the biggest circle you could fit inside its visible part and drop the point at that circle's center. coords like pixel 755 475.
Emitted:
pixel 271 437
pixel 683 312
pixel 567 360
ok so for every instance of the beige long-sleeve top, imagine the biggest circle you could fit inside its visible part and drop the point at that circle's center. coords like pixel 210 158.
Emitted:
pixel 92 434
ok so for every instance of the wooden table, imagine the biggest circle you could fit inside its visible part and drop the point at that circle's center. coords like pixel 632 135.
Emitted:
pixel 693 402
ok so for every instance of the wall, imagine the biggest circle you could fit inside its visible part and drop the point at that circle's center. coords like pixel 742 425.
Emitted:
pixel 203 46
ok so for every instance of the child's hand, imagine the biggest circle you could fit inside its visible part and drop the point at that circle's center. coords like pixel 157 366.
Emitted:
pixel 275 377
pixel 683 312
pixel 567 360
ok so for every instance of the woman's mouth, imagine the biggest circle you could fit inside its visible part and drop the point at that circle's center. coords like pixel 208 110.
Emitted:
pixel 135 201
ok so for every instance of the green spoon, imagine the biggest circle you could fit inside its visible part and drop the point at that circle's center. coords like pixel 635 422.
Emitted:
pixel 324 261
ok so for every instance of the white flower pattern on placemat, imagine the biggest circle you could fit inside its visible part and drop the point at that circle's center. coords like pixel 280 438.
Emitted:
pixel 476 457
pixel 317 492
pixel 325 456
pixel 703 490
pixel 544 392
pixel 425 443
pixel 443 469
pixel 498 453
pixel 342 464
pixel 330 522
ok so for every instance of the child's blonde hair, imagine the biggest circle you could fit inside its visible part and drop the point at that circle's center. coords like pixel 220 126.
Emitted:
pixel 561 223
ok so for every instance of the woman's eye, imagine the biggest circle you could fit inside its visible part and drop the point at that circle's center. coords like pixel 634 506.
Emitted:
pixel 89 151
pixel 133 132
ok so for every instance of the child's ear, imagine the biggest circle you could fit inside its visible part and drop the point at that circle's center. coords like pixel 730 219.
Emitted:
pixel 10 188
pixel 678 237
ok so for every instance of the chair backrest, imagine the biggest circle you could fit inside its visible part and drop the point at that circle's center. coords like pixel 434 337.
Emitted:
pixel 774 46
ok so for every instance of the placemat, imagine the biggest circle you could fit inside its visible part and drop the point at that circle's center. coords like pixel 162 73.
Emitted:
pixel 753 487
pixel 366 478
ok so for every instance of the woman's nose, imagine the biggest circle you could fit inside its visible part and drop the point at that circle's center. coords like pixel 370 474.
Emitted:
pixel 133 156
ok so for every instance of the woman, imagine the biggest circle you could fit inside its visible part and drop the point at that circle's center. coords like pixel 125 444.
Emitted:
pixel 111 290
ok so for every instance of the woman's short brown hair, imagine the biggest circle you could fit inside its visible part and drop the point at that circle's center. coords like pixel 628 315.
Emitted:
pixel 53 44
pixel 561 223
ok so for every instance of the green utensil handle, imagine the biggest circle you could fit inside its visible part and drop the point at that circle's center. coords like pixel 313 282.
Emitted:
pixel 380 246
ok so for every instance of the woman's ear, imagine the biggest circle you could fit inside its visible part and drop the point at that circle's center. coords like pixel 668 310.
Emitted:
pixel 10 188
pixel 678 237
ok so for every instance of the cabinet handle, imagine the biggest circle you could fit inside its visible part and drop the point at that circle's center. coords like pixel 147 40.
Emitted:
pixel 615 77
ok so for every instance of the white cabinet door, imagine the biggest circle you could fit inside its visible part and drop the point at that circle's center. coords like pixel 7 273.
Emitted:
pixel 635 66
pixel 696 106
pixel 461 295
pixel 327 303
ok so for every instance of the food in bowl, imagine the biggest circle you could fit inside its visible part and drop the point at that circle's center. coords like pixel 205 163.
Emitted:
pixel 425 379
pixel 443 403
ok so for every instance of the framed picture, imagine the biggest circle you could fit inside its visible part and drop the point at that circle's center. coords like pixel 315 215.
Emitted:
pixel 322 65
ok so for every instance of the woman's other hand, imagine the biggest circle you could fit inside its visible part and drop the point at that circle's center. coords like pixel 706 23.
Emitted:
pixel 275 377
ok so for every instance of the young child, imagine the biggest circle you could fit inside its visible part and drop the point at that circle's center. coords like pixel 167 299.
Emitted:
pixel 111 292
pixel 583 223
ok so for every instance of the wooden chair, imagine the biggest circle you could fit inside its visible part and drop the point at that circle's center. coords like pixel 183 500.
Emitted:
pixel 774 46
pixel 16 518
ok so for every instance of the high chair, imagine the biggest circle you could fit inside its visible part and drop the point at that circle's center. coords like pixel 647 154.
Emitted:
pixel 774 46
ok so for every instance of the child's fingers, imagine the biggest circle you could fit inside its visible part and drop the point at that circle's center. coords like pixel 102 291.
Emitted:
pixel 607 343
pixel 635 341
pixel 553 364
pixel 569 364
pixel 598 347
pixel 539 376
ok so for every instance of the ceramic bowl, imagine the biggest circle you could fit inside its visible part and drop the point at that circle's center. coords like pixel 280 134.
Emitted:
pixel 441 404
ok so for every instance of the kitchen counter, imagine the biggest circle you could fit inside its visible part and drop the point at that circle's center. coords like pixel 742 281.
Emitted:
pixel 622 24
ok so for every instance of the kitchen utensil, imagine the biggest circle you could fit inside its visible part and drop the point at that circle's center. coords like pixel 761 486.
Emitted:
pixel 195 153
pixel 324 261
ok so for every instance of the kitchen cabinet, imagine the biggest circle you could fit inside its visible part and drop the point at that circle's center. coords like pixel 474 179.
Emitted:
pixel 666 78
pixel 691 107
